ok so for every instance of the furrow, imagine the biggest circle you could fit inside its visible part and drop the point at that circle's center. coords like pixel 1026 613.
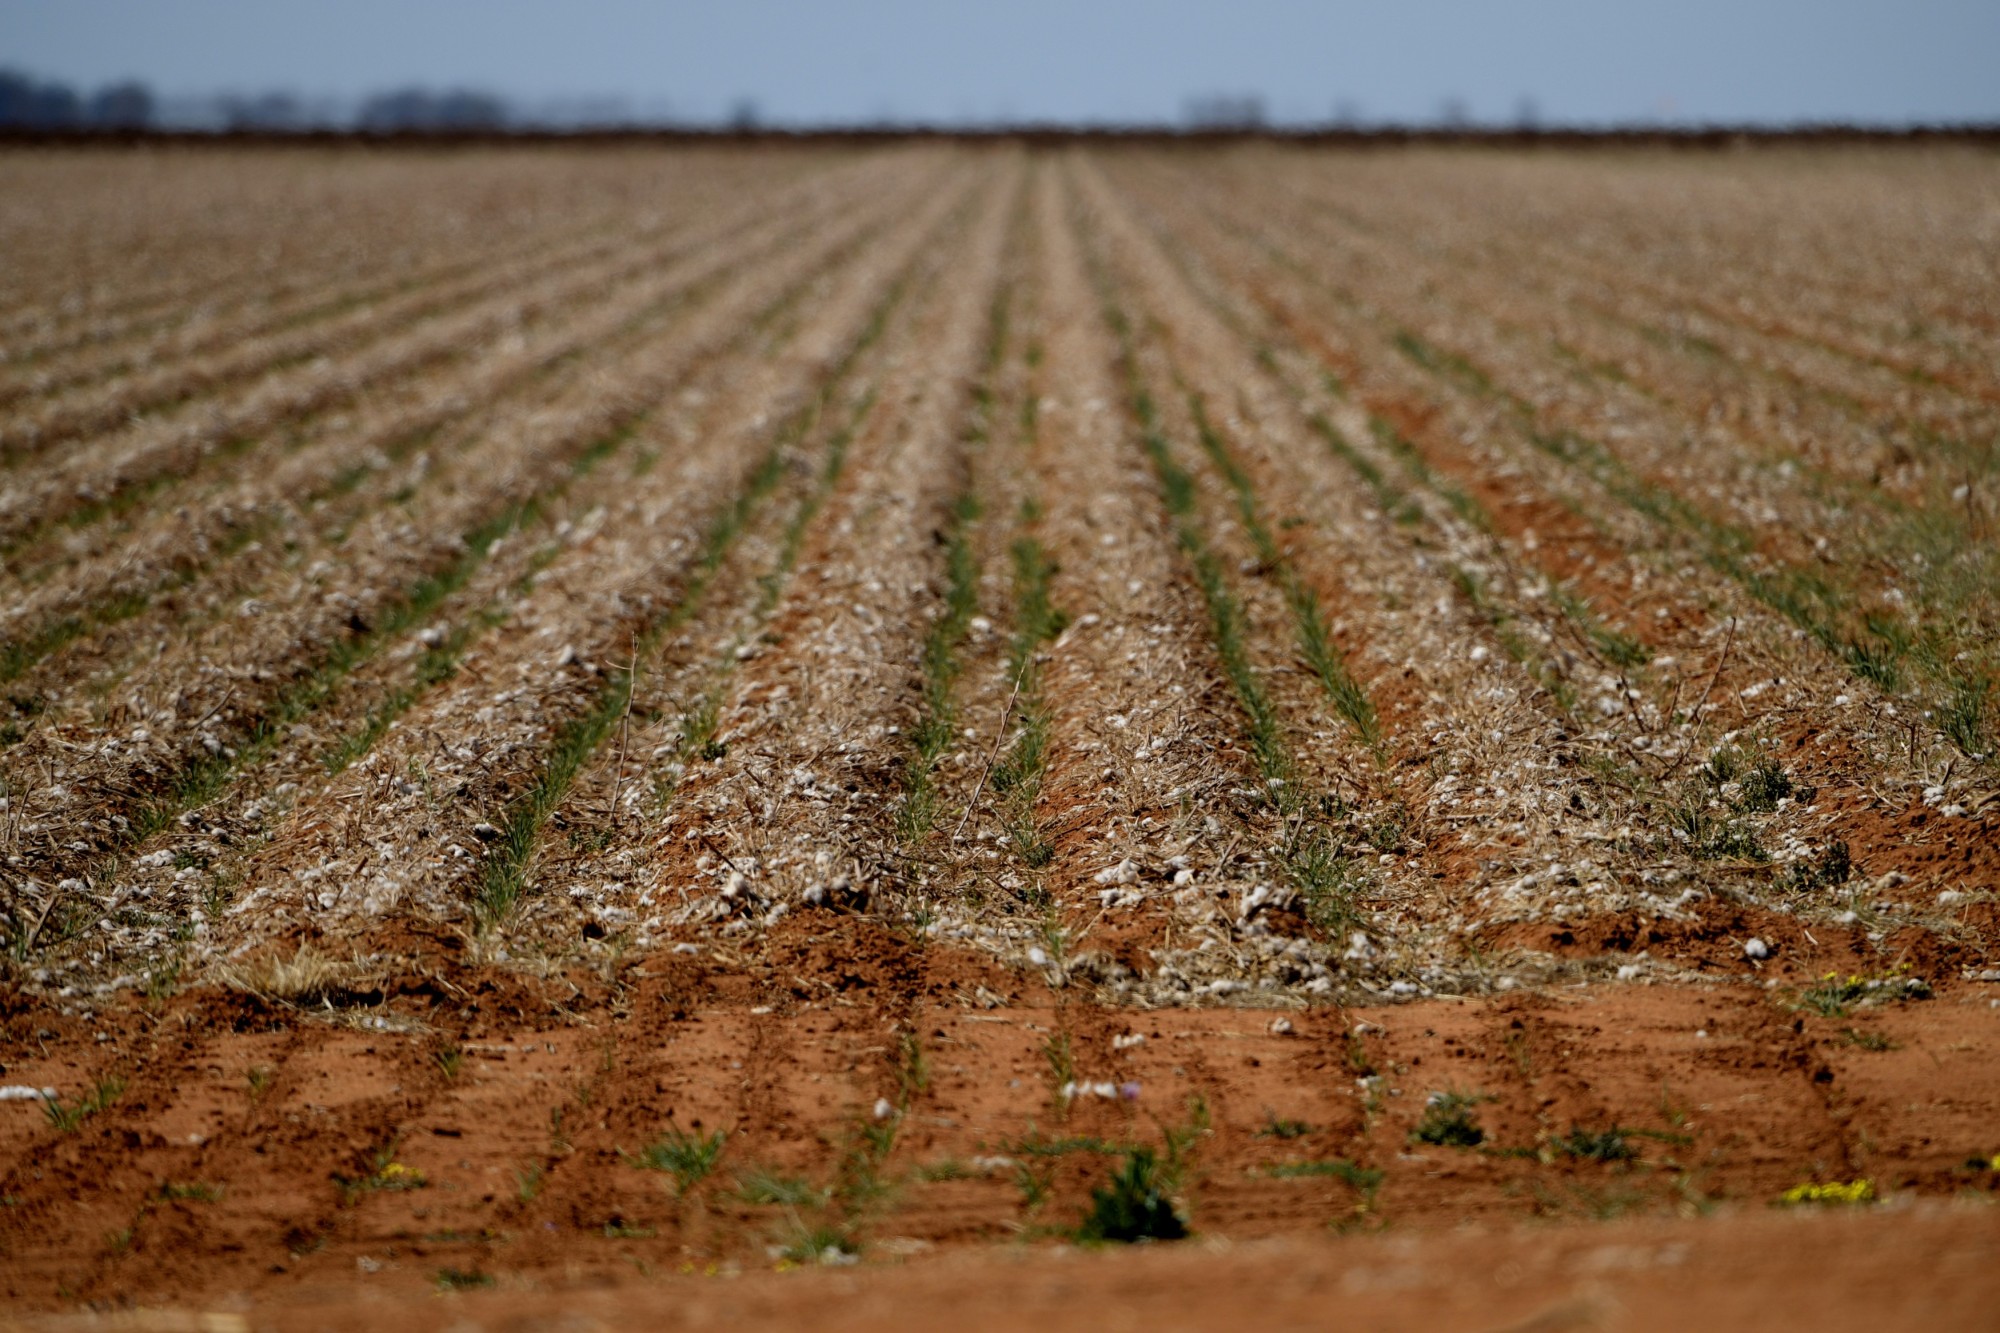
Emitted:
pixel 816 722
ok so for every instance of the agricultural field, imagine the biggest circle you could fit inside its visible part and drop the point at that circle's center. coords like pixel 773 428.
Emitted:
pixel 614 719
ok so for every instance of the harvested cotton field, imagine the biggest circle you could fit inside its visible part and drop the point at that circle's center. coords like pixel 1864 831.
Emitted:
pixel 568 713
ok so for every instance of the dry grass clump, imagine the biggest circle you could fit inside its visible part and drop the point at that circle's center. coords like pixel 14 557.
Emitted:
pixel 308 977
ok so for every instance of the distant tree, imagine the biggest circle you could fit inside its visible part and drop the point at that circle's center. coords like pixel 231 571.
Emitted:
pixel 1226 112
pixel 1527 114
pixel 424 109
pixel 28 103
pixel 1453 113
pixel 263 111
pixel 744 116
pixel 122 106
pixel 1347 113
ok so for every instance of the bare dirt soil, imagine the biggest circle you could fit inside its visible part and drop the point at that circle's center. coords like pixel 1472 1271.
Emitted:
pixel 806 736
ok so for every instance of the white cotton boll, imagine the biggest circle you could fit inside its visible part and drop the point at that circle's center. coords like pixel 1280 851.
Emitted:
pixel 1756 948
pixel 1123 873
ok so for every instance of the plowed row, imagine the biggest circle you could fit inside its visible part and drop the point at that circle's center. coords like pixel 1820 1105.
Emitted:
pixel 917 673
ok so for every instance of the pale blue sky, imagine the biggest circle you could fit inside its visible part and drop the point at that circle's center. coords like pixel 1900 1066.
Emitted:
pixel 806 61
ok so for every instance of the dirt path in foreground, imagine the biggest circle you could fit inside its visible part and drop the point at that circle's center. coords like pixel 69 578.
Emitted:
pixel 500 1138
pixel 1747 1271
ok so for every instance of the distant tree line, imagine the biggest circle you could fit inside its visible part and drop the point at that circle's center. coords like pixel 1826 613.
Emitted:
pixel 30 103
pixel 27 102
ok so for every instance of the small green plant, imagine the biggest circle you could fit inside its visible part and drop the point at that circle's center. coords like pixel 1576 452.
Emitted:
pixel 1062 1064
pixel 913 1071
pixel 935 730
pixel 1833 866
pixel 1036 1146
pixel 616 1230
pixel 820 1243
pixel 688 1158
pixel 189 1191
pixel 259 1080
pixel 1181 1139
pixel 1725 764
pixel 1833 995
pixel 1601 1145
pixel 69 1119
pixel 1275 1128
pixel 449 1059
pixel 1329 881
pixel 462 1279
pixel 528 1182
pixel 1134 1206
pixel 1765 785
pixel 1448 1121
pixel 1706 835
pixel 1866 1040
pixel 1365 1179
pixel 162 978
pixel 1034 1181
pixel 384 1174
pixel 859 1182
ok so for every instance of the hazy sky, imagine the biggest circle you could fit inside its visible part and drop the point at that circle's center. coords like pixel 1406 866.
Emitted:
pixel 1107 60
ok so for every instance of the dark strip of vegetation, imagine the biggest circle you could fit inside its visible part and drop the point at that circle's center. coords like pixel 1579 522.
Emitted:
pixel 1308 620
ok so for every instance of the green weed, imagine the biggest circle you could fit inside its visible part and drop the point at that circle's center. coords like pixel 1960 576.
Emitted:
pixel 936 729
pixel 688 1158
pixel 382 1173
pixel 1364 1179
pixel 1833 866
pixel 1834 996
pixel 1448 1121
pixel 1604 1145
pixel 1134 1206
pixel 462 1279
pixel 189 1191
pixel 68 1119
